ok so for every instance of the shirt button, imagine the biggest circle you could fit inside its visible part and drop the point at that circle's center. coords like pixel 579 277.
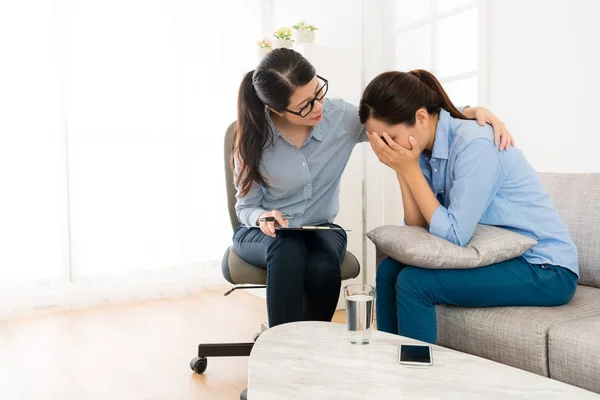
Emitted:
pixel 303 164
pixel 308 184
pixel 435 170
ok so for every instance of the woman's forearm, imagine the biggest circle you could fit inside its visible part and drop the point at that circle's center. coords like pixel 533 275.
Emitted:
pixel 412 213
pixel 426 201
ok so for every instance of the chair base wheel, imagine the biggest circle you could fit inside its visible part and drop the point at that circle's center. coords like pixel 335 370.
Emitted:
pixel 198 364
pixel 255 338
pixel 244 395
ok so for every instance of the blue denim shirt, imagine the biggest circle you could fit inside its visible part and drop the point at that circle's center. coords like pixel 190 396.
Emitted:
pixel 477 184
pixel 305 182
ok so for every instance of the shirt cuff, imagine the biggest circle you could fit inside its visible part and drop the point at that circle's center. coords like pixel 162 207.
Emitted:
pixel 250 216
pixel 440 222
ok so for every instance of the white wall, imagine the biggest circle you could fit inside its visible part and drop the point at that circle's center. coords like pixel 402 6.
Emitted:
pixel 545 79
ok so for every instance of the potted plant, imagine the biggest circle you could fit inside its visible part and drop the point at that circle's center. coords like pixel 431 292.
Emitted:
pixel 304 33
pixel 283 38
pixel 264 47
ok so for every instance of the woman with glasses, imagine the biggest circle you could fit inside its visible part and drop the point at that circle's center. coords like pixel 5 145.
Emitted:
pixel 290 148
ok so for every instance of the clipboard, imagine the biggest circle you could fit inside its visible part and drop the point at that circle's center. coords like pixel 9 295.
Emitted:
pixel 312 228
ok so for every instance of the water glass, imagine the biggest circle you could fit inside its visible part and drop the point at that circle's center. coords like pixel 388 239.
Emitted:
pixel 360 300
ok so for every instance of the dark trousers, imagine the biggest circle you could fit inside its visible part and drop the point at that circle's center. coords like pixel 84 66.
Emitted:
pixel 303 271
pixel 407 296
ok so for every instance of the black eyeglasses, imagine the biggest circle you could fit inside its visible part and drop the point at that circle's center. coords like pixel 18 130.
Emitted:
pixel 319 96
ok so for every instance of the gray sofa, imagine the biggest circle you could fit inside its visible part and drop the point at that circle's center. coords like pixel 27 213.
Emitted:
pixel 562 343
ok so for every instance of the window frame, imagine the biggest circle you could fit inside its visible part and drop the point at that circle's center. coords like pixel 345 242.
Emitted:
pixel 433 20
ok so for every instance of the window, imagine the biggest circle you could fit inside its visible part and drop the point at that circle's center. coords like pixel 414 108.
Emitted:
pixel 111 145
pixel 442 36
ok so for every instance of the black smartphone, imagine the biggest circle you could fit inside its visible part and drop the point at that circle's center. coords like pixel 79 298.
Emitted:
pixel 419 355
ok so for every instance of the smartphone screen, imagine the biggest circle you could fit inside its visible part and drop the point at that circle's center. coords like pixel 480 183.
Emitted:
pixel 415 354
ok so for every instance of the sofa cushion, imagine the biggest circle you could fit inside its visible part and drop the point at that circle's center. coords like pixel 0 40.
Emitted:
pixel 413 245
pixel 516 336
pixel 574 352
pixel 576 197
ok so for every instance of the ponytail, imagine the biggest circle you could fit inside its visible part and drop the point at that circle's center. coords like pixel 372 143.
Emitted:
pixel 272 84
pixel 432 83
pixel 252 134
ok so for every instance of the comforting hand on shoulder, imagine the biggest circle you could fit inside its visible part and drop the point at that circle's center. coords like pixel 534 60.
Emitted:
pixel 502 138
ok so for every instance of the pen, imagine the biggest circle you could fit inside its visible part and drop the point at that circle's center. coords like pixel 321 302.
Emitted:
pixel 271 219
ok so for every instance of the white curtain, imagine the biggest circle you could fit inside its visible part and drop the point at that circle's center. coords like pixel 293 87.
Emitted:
pixel 112 116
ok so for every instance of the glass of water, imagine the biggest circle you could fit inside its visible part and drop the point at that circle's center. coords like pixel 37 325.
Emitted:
pixel 360 301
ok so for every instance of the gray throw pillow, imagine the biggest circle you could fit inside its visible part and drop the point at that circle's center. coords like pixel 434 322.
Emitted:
pixel 412 245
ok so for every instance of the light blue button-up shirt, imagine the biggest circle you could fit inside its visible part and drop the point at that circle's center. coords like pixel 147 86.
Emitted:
pixel 305 182
pixel 475 183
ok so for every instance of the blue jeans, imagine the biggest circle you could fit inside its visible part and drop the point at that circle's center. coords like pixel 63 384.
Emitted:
pixel 407 296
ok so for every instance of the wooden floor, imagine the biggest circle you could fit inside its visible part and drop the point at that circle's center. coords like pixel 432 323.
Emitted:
pixel 130 352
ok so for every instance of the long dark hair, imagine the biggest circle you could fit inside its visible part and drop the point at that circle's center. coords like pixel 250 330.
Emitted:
pixel 394 97
pixel 271 84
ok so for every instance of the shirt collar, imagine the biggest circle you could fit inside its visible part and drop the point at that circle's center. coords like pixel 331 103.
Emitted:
pixel 316 132
pixel 440 146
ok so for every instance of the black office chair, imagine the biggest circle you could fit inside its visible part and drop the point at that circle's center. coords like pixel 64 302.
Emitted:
pixel 244 275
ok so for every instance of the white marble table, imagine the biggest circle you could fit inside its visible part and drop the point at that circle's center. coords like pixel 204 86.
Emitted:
pixel 314 360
